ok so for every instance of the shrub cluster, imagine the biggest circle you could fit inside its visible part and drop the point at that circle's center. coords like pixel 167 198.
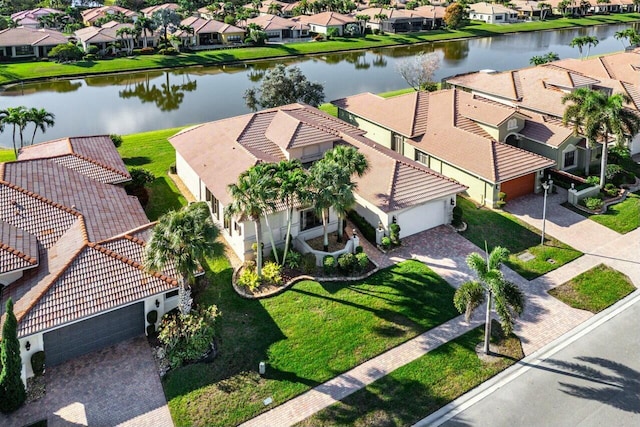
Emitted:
pixel 367 230
pixel 249 279
pixel 593 203
pixel 272 273
pixel 611 190
pixel 37 363
pixel 329 265
pixel 502 200
pixel 457 216
pixel 394 233
pixel 308 263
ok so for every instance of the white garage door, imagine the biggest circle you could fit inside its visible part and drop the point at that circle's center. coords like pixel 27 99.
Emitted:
pixel 421 218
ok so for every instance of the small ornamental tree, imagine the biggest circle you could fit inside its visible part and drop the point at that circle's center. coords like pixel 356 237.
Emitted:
pixel 418 71
pixel 454 16
pixel 12 392
pixel 66 52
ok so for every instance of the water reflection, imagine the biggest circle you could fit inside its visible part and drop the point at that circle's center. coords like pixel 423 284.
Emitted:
pixel 167 97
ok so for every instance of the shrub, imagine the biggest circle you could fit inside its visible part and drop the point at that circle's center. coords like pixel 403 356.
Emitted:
pixel 140 177
pixel 613 171
pixel 188 337
pixel 151 329
pixel 593 203
pixel 12 391
pixel 611 190
pixel 457 216
pixel 347 263
pixel 385 242
pixel 272 273
pixel 92 50
pixel 593 180
pixel 136 52
pixel 66 52
pixel 249 264
pixel 394 233
pixel 249 279
pixel 329 264
pixel 152 316
pixel 308 263
pixel 116 139
pixel 359 249
pixel 90 57
pixel 147 51
pixel 169 51
pixel 319 37
pixel 363 261
pixel 367 230
pixel 293 259
pixel 502 199
pixel 37 363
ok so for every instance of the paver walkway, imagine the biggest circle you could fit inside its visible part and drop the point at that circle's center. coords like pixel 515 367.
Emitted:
pixel 118 385
pixel 444 251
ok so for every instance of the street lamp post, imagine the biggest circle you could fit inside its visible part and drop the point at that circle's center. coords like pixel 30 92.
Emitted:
pixel 545 186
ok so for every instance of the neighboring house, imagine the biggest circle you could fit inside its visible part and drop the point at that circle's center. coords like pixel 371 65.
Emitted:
pixel 105 37
pixel 492 13
pixel 208 33
pixel 540 89
pixel 572 8
pixel 90 16
pixel 149 11
pixel 434 15
pixel 321 22
pixel 280 29
pixel 287 9
pixel 31 18
pixel 528 9
pixel 211 156
pixel 397 20
pixel 72 251
pixel 454 133
pixel 23 42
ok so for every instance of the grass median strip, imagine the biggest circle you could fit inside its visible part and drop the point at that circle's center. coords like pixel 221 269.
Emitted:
pixel 595 289
pixel 503 229
pixel 421 387
pixel 307 335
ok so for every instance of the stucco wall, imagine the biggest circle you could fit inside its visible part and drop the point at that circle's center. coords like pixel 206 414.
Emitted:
pixel 188 177
pixel 374 132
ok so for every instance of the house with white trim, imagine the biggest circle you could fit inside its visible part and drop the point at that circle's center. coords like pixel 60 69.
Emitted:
pixel 492 13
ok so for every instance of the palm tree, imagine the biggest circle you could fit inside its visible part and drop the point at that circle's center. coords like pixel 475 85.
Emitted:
pixel 275 9
pixel 251 197
pixel 126 33
pixel 41 119
pixel 580 42
pixel 598 116
pixel 144 25
pixel 362 21
pixel 544 9
pixel 630 34
pixel 350 160
pixel 291 183
pixel 491 285
pixel 18 118
pixel 183 239
pixel 166 19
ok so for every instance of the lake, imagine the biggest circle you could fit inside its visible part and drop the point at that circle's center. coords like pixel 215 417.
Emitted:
pixel 136 102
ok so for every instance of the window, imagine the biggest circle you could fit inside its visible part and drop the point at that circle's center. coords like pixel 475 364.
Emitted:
pixel 499 17
pixel 171 294
pixel 422 158
pixel 238 228
pixel 309 219
pixel 512 124
pixel 215 205
pixel 233 39
pixel 397 143
pixel 24 50
pixel 569 159
pixel 226 223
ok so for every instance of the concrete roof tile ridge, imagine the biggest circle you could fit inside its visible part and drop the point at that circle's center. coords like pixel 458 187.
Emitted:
pixel 39 197
pixel 606 67
pixel 129 235
pixel 493 160
pixel 246 129
pixel 131 262
pixel 313 125
pixel 17 252
pixel 102 165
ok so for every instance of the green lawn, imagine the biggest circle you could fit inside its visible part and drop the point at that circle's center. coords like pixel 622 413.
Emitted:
pixel 503 229
pixel 20 71
pixel 621 217
pixel 421 387
pixel 595 289
pixel 6 155
pixel 307 335
pixel 152 151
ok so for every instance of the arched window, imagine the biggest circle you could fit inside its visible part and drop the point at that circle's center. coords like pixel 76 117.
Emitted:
pixel 512 124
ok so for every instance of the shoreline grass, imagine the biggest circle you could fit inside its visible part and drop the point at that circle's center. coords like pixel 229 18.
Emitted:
pixel 595 289
pixel 15 72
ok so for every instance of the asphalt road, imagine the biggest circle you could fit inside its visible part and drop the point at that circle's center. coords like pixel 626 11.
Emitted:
pixel 594 381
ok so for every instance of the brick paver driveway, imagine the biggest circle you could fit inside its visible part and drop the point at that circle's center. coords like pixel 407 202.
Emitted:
pixel 118 385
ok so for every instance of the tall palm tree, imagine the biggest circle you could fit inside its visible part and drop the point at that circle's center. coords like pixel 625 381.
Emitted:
pixel 41 119
pixel 167 19
pixel 251 198
pixel 291 182
pixel 275 9
pixel 18 118
pixel 349 159
pixel 183 239
pixel 601 116
pixel 491 285
pixel 145 24
pixel 544 9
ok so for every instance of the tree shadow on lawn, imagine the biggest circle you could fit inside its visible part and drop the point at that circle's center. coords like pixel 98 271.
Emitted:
pixel 137 161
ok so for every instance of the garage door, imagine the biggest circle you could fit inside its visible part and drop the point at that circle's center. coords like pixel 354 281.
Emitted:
pixel 93 334
pixel 421 218
pixel 519 186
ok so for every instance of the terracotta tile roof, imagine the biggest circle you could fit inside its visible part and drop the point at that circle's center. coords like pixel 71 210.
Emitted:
pixel 392 14
pixel 204 26
pixel 92 156
pixel 395 182
pixel 433 12
pixel 93 14
pixel 30 36
pixel 276 23
pixel 546 130
pixel 490 8
pixel 105 34
pixel 326 19
pixel 107 209
pixel 447 130
pixel 32 15
pixel 18 249
pixel 148 11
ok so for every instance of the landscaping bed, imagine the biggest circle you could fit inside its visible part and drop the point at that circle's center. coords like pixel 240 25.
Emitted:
pixel 595 289
pixel 528 258
pixel 306 336
pixel 421 387
pixel 622 217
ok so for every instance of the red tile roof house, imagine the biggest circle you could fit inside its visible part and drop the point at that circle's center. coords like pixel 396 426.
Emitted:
pixel 211 156
pixel 30 18
pixel 454 133
pixel 538 91
pixel 492 13
pixel 23 42
pixel 279 29
pixel 208 33
pixel 321 22
pixel 90 16
pixel 72 250
pixel 106 37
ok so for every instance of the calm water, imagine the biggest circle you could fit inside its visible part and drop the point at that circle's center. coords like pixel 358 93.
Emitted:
pixel 136 102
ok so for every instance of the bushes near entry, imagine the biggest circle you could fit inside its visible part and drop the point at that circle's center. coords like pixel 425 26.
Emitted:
pixel 593 203
pixel 347 263
pixel 367 230
pixel 457 216
pixel 394 233
pixel 272 273
pixel 308 263
pixel 249 279
pixel 37 363
pixel 329 265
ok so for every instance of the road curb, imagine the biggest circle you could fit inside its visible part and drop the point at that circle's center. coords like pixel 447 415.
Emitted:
pixel 470 398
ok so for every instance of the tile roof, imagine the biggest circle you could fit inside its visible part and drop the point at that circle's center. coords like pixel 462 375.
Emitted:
pixel 326 19
pixel 92 156
pixel 443 124
pixel 32 15
pixel 490 8
pixel 204 26
pixel 546 130
pixel 31 36
pixel 18 249
pixel 93 14
pixel 105 34
pixel 276 23
pixel 148 11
